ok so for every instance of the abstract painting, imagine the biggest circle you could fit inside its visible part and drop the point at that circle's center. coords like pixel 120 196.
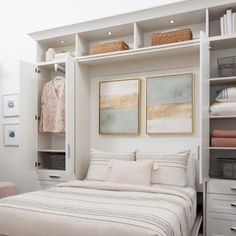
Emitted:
pixel 170 104
pixel 119 106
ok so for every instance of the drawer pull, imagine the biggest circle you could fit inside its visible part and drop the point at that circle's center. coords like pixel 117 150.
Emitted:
pixel 233 228
pixel 233 188
pixel 233 204
pixel 54 176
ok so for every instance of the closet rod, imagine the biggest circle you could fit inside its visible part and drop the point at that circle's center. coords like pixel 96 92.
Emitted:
pixel 59 68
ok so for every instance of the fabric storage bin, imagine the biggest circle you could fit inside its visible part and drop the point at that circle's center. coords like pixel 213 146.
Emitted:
pixel 171 37
pixel 54 161
pixel 226 168
pixel 109 47
pixel 227 66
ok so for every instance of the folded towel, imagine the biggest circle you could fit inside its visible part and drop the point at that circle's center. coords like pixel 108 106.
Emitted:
pixel 221 133
pixel 223 142
pixel 226 95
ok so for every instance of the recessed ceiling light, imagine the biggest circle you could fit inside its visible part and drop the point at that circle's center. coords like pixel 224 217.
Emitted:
pixel 109 33
pixel 62 41
pixel 171 21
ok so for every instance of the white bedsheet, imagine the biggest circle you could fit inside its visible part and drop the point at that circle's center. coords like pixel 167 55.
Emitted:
pixel 83 208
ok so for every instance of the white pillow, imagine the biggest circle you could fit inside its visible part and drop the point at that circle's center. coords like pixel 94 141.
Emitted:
pixel 192 171
pixel 223 108
pixel 172 167
pixel 131 172
pixel 99 163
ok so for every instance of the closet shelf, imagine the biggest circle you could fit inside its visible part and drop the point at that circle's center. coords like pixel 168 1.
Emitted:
pixel 222 148
pixel 180 48
pixel 52 150
pixel 50 64
pixel 223 42
pixel 222 117
pixel 223 80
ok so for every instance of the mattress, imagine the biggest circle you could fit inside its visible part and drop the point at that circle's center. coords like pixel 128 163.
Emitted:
pixel 81 208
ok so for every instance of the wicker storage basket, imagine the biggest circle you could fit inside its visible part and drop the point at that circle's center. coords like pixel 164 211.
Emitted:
pixel 109 47
pixel 227 66
pixel 171 37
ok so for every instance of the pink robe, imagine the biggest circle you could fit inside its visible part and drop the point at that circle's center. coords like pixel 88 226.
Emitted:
pixel 52 117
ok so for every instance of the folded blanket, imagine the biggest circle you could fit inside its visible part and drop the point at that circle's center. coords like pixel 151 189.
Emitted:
pixel 223 142
pixel 220 133
pixel 226 95
pixel 223 108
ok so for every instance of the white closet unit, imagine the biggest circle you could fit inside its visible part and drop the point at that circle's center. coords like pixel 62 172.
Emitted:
pixel 51 154
pixel 142 60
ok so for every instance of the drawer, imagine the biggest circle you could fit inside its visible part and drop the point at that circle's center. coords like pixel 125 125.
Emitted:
pixel 221 203
pixel 222 186
pixel 221 224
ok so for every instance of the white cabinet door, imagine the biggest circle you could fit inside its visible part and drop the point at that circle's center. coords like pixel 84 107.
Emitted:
pixel 28 112
pixel 204 107
pixel 70 114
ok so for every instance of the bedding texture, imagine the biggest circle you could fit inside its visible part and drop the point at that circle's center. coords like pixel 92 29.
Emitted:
pixel 91 208
pixel 172 167
pixel 99 168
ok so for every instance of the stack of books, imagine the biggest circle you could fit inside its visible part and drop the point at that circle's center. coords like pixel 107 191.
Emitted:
pixel 228 23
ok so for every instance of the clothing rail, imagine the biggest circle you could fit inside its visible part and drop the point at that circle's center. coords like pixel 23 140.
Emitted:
pixel 59 68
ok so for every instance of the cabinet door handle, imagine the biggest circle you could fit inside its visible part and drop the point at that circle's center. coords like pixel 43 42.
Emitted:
pixel 233 204
pixel 68 150
pixel 54 176
pixel 233 228
pixel 233 188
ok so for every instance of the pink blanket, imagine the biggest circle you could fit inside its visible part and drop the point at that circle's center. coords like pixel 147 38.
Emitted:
pixel 223 142
pixel 220 133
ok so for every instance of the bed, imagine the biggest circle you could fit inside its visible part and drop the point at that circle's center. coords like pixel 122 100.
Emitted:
pixel 89 208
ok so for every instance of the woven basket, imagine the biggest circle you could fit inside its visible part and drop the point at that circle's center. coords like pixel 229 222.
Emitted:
pixel 171 37
pixel 109 47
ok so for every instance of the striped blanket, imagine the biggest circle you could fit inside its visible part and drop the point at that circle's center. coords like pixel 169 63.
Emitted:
pixel 82 208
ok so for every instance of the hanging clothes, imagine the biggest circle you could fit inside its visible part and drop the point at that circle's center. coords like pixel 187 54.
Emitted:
pixel 52 117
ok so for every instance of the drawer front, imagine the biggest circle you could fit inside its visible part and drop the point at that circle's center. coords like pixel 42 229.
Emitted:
pixel 221 203
pixel 222 186
pixel 221 224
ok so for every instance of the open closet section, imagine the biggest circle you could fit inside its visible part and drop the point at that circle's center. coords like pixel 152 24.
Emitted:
pixel 50 95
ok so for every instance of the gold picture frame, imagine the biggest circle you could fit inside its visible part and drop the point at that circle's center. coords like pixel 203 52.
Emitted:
pixel 115 111
pixel 180 110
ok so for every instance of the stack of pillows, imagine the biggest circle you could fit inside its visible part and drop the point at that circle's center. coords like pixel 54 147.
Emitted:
pixel 143 168
pixel 225 102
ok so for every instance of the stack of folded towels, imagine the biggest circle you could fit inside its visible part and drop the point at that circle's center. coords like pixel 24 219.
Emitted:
pixel 225 103
pixel 223 138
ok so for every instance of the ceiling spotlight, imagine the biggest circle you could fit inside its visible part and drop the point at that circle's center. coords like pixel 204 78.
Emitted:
pixel 109 33
pixel 62 41
pixel 171 21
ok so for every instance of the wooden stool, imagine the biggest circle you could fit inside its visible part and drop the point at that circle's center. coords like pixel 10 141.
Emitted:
pixel 7 189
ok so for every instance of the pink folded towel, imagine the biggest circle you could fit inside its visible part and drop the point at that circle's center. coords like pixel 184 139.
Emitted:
pixel 223 142
pixel 220 133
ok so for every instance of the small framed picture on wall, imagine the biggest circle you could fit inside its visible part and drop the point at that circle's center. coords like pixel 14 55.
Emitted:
pixel 11 105
pixel 11 135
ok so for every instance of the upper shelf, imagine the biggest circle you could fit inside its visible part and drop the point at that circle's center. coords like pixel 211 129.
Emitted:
pixel 186 47
pixel 223 42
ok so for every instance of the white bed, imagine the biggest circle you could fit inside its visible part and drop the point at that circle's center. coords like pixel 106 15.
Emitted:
pixel 92 208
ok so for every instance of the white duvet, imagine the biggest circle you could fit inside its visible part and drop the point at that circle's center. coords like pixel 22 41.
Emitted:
pixel 83 208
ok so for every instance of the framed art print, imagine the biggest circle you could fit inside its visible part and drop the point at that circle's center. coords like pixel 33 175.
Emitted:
pixel 11 135
pixel 119 106
pixel 170 104
pixel 10 105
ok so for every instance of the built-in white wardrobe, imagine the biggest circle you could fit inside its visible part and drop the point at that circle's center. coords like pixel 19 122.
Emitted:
pixel 85 71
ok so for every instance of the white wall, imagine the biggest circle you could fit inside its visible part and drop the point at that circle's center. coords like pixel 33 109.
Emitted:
pixel 17 18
